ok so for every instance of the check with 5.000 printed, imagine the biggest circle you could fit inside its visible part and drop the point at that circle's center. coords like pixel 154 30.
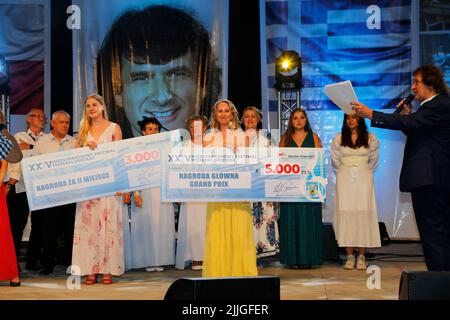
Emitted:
pixel 250 174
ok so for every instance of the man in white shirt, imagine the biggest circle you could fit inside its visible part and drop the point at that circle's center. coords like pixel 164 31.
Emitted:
pixel 48 223
pixel 15 189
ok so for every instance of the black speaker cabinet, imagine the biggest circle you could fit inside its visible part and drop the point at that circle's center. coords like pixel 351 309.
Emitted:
pixel 424 285
pixel 233 288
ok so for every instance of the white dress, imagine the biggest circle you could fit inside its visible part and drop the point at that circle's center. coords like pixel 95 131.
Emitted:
pixel 355 216
pixel 97 240
pixel 149 236
pixel 191 231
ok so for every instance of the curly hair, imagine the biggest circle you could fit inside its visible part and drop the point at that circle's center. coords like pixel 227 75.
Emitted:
pixel 432 77
pixel 146 120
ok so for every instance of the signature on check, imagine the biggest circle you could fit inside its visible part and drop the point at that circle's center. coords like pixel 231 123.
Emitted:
pixel 284 187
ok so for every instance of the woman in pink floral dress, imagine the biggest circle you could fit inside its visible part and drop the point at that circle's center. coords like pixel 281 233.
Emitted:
pixel 98 243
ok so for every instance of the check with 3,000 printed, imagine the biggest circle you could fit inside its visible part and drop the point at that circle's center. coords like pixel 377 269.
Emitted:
pixel 79 174
pixel 250 174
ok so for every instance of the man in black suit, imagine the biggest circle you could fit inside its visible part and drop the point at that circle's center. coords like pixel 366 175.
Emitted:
pixel 426 161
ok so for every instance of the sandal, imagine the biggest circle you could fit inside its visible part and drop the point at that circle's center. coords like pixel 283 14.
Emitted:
pixel 107 279
pixel 91 279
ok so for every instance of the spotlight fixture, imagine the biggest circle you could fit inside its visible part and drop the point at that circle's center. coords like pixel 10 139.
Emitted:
pixel 288 70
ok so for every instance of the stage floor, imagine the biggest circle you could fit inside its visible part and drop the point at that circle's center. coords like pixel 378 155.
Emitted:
pixel 328 282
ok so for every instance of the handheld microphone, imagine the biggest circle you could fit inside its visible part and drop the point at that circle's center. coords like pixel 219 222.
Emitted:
pixel 407 101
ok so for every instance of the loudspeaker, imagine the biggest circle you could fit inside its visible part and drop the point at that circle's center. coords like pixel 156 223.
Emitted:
pixel 330 245
pixel 233 288
pixel 384 235
pixel 424 285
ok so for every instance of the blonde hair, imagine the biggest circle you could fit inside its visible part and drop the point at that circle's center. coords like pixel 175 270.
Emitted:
pixel 252 108
pixel 213 122
pixel 86 121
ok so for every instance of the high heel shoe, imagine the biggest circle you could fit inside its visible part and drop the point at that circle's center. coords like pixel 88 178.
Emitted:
pixel 91 279
pixel 15 283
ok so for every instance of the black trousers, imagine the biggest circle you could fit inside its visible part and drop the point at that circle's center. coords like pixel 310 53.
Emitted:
pixel 18 216
pixel 46 226
pixel 432 211
pixel 66 226
pixel 36 241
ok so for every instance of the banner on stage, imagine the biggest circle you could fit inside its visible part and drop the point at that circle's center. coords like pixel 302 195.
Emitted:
pixel 250 174
pixel 81 174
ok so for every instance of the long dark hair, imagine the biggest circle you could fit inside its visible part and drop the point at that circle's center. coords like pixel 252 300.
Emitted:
pixel 361 129
pixel 286 138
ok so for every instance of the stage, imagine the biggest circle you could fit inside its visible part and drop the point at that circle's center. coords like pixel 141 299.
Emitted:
pixel 328 282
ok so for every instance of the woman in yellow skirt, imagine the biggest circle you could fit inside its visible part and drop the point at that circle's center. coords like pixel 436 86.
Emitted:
pixel 229 247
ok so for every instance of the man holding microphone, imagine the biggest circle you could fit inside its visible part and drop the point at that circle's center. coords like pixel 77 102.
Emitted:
pixel 426 161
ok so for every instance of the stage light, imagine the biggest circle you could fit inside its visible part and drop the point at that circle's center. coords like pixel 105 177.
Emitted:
pixel 288 70
pixel 285 64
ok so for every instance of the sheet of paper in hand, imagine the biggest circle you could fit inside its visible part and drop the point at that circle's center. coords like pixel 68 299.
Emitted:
pixel 342 94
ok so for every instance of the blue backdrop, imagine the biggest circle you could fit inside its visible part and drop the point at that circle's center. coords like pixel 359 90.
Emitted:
pixel 368 42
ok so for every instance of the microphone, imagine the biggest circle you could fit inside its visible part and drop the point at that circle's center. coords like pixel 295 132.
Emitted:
pixel 406 101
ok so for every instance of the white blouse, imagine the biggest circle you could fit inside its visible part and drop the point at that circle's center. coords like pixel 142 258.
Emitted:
pixel 349 157
pixel 233 139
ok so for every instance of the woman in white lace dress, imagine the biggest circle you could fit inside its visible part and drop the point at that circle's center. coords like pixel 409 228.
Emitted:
pixel 98 241
pixel 264 214
pixel 354 154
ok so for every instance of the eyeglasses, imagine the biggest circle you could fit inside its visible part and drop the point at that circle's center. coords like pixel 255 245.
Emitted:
pixel 38 116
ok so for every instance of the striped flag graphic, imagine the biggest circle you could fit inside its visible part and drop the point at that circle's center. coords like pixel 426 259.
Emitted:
pixel 365 41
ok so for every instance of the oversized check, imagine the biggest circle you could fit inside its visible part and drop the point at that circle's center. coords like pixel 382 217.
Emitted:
pixel 250 174
pixel 80 174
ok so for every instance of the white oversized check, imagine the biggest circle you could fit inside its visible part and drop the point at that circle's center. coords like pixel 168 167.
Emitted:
pixel 80 174
pixel 250 174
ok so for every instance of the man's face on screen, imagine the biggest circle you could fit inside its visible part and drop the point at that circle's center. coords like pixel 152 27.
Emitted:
pixel 167 92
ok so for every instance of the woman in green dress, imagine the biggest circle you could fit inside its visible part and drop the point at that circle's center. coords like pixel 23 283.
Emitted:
pixel 300 223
